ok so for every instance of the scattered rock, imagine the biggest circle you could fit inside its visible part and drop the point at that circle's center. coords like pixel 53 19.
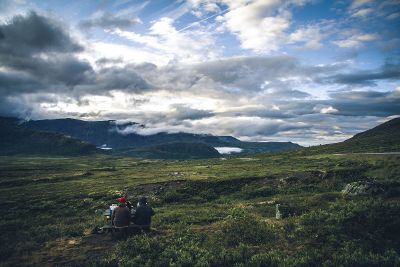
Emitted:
pixel 367 187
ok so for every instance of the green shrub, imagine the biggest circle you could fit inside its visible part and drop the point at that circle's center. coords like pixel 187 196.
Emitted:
pixel 373 224
pixel 243 227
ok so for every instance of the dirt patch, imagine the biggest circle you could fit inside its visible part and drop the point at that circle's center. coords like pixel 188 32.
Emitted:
pixel 72 251
pixel 75 251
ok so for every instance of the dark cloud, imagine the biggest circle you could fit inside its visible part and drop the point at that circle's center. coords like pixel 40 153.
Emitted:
pixel 389 71
pixel 248 73
pixel 367 103
pixel 104 61
pixel 39 56
pixel 122 79
pixel 108 21
pixel 341 104
pixel 360 95
pixel 33 33
pixel 17 83
pixel 184 112
pixel 263 113
pixel 57 69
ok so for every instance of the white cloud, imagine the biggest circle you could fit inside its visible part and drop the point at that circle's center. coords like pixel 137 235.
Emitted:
pixel 356 41
pixel 256 25
pixel 124 53
pixel 170 44
pixel 260 25
pixel 359 3
pixel 324 109
pixel 310 36
pixel 362 12
pixel 329 110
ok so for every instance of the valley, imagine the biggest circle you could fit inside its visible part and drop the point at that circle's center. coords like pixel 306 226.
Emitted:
pixel 338 205
pixel 200 205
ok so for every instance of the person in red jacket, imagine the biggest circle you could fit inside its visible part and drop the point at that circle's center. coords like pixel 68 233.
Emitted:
pixel 121 215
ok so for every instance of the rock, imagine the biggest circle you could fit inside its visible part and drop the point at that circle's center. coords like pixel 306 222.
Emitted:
pixel 367 187
pixel 278 214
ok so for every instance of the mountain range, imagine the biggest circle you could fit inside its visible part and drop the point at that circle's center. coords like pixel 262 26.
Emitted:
pixel 122 138
pixel 77 137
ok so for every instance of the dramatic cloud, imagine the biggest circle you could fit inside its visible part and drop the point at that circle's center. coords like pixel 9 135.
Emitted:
pixel 31 34
pixel 389 71
pixel 256 69
pixel 108 21
pixel 39 49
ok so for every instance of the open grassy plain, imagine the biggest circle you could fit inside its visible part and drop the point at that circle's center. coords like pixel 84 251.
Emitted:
pixel 218 212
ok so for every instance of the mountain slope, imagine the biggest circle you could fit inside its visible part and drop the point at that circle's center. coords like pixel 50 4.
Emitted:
pixel 121 137
pixel 18 140
pixel 382 138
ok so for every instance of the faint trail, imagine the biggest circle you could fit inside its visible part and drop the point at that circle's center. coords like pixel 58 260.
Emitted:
pixel 368 153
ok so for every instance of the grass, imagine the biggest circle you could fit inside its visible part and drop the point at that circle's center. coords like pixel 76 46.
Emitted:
pixel 208 212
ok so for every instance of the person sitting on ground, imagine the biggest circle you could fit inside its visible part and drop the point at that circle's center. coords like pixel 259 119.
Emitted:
pixel 143 214
pixel 121 215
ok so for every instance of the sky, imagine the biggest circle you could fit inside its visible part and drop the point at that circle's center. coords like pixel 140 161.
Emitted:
pixel 306 71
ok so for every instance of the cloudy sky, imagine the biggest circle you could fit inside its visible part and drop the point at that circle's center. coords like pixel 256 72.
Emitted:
pixel 306 71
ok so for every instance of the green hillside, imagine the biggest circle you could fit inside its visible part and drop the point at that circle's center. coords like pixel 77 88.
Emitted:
pixel 17 140
pixel 175 150
pixel 383 138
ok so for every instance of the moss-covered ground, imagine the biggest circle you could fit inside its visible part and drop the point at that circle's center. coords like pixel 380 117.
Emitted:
pixel 218 212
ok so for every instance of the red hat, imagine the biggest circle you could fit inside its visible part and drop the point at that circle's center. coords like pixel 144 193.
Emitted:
pixel 122 200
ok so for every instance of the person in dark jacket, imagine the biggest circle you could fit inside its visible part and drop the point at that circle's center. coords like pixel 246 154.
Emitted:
pixel 143 214
pixel 121 215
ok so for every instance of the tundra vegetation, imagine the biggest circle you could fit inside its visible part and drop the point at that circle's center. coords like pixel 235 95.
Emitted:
pixel 215 212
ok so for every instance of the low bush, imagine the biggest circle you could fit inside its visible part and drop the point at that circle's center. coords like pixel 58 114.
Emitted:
pixel 243 227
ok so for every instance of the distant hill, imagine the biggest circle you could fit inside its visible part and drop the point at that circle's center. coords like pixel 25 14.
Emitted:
pixel 383 138
pixel 15 139
pixel 175 150
pixel 120 136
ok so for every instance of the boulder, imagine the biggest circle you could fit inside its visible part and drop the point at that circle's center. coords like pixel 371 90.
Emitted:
pixel 366 187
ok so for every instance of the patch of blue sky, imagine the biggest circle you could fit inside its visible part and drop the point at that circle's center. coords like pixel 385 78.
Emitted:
pixel 316 11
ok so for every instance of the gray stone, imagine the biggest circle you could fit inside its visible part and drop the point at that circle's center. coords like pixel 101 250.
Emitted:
pixel 278 214
pixel 367 187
